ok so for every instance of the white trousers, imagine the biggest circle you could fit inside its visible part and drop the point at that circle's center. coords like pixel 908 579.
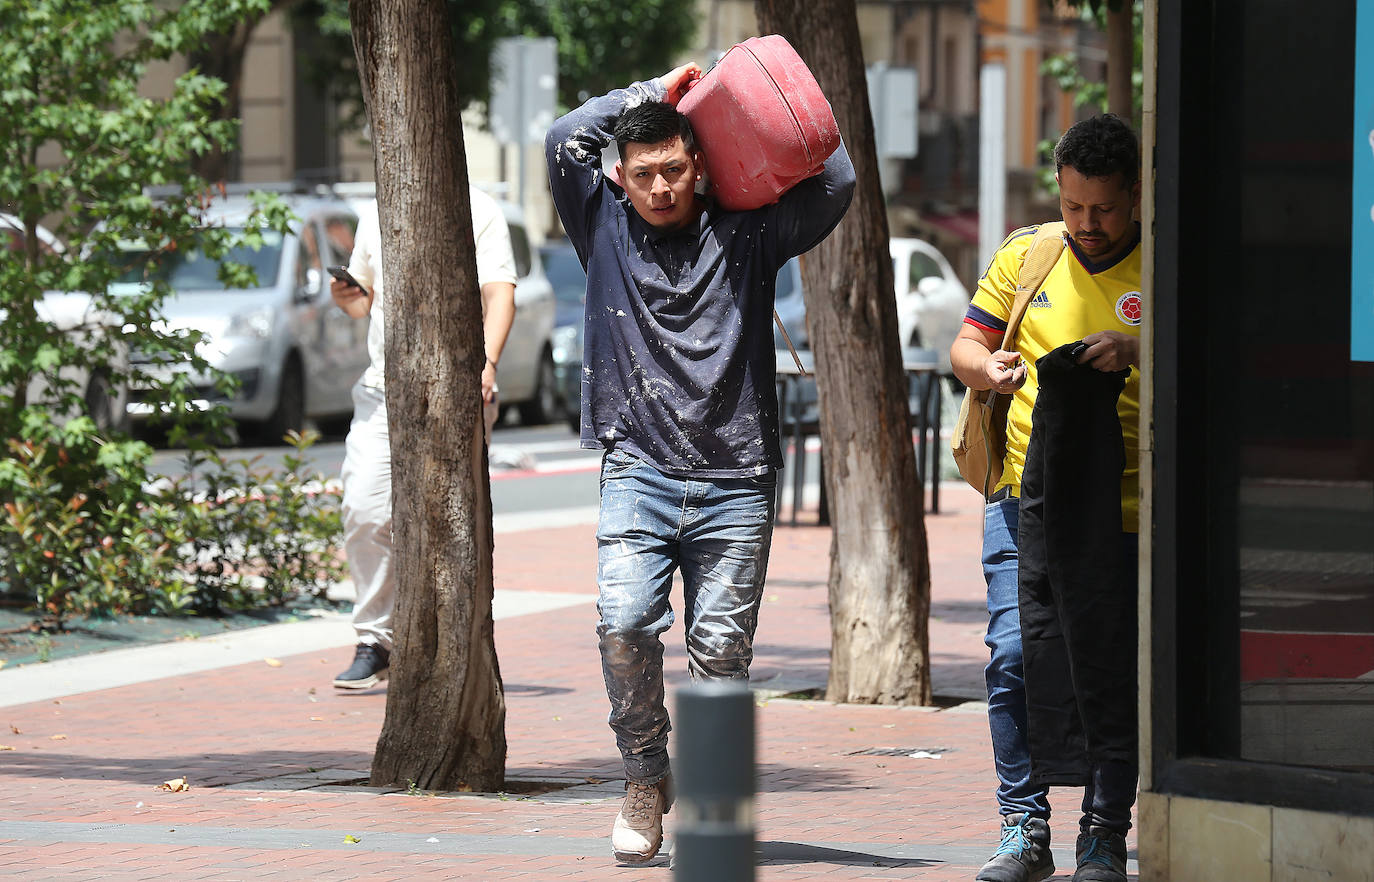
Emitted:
pixel 367 513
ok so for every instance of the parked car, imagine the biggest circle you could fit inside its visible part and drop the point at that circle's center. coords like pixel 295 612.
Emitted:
pixel 569 281
pixel 790 307
pixel 931 301
pixel 295 354
pixel 73 313
pixel 527 377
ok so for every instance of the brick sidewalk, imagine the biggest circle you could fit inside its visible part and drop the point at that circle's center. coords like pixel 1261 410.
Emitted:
pixel 274 755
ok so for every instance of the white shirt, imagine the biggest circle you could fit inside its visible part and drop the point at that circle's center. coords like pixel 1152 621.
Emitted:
pixel 495 263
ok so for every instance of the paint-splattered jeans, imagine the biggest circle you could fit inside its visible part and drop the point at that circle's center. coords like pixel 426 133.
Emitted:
pixel 717 531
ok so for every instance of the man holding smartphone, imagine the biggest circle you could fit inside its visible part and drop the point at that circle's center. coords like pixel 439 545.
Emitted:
pixel 367 454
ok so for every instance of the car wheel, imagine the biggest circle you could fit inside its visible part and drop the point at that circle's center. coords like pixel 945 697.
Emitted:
pixel 543 404
pixel 289 414
pixel 335 427
pixel 103 404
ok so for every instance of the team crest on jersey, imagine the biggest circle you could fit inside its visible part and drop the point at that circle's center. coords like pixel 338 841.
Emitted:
pixel 1129 308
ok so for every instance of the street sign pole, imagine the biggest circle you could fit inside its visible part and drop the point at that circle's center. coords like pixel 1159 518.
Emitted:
pixel 524 88
pixel 992 166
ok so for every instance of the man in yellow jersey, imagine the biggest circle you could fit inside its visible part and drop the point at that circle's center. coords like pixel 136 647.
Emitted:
pixel 1091 295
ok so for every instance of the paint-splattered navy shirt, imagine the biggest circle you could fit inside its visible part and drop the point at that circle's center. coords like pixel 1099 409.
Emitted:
pixel 678 364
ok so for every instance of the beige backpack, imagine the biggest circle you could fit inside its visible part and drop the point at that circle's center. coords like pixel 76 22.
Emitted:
pixel 980 434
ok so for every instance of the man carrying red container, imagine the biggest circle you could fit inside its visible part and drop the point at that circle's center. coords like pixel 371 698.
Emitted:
pixel 679 391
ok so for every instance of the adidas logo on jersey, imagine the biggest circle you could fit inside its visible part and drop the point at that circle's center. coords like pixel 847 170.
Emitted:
pixel 1041 299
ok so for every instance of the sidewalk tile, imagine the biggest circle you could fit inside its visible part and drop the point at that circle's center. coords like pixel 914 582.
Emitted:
pixel 263 748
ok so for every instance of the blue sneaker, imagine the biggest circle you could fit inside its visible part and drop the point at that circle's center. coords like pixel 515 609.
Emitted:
pixel 1024 854
pixel 1101 856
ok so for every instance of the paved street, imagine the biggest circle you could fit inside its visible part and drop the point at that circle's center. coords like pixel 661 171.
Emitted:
pixel 277 761
pixel 518 455
pixel 539 474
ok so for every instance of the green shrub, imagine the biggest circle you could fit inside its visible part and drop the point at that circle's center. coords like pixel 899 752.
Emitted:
pixel 87 530
pixel 260 537
pixel 84 527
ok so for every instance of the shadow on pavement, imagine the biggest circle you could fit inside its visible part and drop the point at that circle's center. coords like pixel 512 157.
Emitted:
pixel 529 690
pixel 772 777
pixel 781 853
pixel 201 770
pixel 780 582
pixel 960 612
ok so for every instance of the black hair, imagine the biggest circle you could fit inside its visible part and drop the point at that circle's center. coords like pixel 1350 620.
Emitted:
pixel 1100 147
pixel 652 122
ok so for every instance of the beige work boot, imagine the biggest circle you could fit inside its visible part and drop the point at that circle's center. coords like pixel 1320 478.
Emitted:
pixel 638 832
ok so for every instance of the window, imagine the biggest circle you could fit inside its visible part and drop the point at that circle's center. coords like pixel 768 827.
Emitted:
pixel 923 266
pixel 190 269
pixel 309 256
pixel 1264 426
pixel 520 246
pixel 339 232
pixel 786 285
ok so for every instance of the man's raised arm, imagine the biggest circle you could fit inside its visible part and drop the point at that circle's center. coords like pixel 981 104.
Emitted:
pixel 573 148
pixel 809 211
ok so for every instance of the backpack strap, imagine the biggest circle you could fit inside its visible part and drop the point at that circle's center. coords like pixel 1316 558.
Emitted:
pixel 989 406
pixel 1045 249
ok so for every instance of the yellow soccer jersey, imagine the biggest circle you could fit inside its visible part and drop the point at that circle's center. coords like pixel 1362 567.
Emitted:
pixel 1079 298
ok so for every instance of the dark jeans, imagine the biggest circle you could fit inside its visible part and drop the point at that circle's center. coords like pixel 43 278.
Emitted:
pixel 718 532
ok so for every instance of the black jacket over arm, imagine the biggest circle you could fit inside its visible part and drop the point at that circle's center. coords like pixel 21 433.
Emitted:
pixel 1077 582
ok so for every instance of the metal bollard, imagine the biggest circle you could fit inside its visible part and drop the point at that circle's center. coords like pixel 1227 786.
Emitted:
pixel 714 776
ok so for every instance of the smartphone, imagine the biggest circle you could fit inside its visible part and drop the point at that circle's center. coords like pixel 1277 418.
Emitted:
pixel 343 275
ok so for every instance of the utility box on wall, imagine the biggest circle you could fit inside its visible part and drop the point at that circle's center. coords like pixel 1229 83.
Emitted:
pixel 893 97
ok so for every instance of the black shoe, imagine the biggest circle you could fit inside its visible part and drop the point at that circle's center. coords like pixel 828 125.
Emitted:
pixel 1101 856
pixel 370 666
pixel 1024 855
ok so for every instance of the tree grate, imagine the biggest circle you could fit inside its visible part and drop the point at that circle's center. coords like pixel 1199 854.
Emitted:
pixel 900 751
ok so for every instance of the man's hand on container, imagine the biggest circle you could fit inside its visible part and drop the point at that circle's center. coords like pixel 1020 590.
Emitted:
pixel 678 80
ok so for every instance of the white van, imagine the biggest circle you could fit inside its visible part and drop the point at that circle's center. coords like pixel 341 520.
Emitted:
pixel 931 301
pixel 75 314
pixel 294 354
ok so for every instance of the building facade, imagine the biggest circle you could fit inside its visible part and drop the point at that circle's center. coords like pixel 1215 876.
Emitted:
pixel 1257 603
pixel 290 131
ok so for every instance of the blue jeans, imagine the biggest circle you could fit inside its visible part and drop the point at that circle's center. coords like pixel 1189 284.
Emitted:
pixel 718 532
pixel 1004 674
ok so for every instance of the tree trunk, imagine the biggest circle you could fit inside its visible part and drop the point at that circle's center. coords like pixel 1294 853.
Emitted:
pixel 879 571
pixel 222 56
pixel 445 709
pixel 1120 61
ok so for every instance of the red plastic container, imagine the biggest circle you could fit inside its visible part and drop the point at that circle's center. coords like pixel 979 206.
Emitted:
pixel 761 121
